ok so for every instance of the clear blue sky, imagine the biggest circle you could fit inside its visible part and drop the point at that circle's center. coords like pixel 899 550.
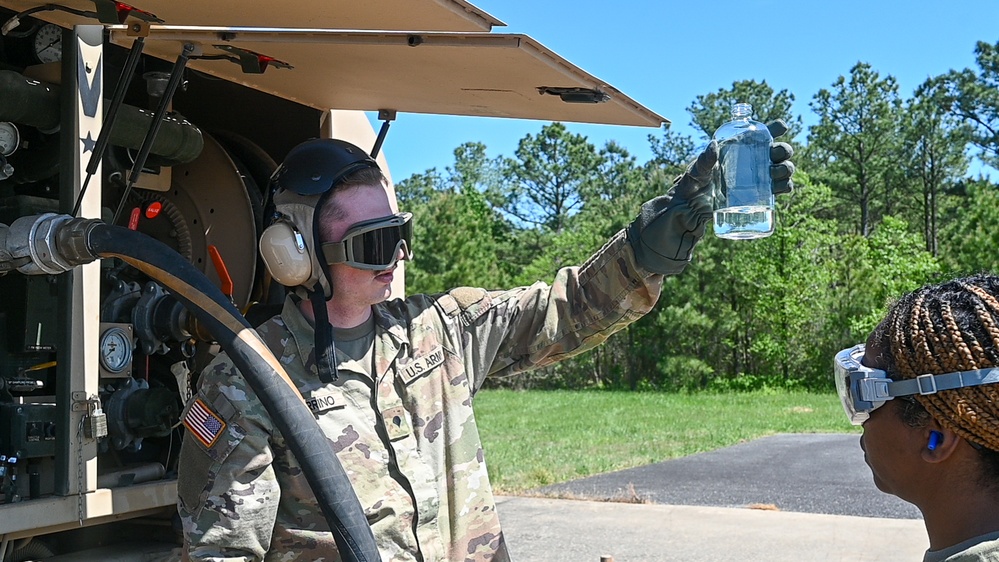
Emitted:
pixel 664 53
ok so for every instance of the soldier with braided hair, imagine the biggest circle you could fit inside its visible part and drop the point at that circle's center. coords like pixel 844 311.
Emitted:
pixel 933 363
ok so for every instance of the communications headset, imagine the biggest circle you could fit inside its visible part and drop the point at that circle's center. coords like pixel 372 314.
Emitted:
pixel 291 247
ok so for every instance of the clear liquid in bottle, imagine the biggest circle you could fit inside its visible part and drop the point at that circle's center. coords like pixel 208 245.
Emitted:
pixel 744 201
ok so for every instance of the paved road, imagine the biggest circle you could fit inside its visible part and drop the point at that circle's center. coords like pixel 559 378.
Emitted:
pixel 805 473
pixel 812 498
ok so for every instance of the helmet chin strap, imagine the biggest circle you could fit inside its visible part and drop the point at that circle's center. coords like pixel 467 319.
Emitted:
pixel 325 351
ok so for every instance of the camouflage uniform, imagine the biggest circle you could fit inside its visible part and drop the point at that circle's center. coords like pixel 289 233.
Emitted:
pixel 407 436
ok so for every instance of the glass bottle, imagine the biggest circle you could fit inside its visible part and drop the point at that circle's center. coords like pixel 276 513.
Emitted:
pixel 744 200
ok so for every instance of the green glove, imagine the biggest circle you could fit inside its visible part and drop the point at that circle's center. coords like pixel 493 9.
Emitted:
pixel 668 227
pixel 781 168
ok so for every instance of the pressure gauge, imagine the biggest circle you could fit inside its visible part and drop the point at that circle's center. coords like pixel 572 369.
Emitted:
pixel 10 138
pixel 116 349
pixel 48 43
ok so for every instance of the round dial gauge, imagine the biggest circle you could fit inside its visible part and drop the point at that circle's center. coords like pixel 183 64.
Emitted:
pixel 116 349
pixel 48 43
pixel 10 138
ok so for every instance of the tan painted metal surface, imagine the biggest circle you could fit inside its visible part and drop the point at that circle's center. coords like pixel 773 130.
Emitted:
pixel 439 15
pixel 477 74
pixel 448 65
pixel 58 513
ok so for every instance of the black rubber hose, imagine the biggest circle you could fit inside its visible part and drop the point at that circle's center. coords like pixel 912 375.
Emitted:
pixel 261 370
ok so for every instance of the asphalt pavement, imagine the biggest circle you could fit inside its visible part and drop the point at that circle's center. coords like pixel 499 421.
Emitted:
pixel 785 497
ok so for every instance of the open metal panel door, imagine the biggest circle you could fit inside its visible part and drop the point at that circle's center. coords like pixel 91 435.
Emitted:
pixel 430 15
pixel 447 73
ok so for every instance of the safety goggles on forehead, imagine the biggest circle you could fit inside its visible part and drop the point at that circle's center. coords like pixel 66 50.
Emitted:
pixel 863 389
pixel 373 244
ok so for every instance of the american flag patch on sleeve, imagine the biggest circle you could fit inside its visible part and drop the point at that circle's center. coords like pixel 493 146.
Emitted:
pixel 203 423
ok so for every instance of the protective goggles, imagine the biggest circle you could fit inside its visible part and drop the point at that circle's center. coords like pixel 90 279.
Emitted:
pixel 373 244
pixel 863 389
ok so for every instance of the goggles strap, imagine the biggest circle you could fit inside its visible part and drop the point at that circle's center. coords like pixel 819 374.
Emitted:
pixel 930 384
pixel 335 252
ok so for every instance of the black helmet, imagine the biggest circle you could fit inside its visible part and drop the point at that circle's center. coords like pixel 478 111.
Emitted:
pixel 291 247
pixel 315 166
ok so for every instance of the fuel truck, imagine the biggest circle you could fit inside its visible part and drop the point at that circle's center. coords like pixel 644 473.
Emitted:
pixel 136 147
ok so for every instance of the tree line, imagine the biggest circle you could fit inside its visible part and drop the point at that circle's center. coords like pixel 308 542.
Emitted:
pixel 884 202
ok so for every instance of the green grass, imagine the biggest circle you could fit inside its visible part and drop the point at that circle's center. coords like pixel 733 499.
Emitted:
pixel 536 438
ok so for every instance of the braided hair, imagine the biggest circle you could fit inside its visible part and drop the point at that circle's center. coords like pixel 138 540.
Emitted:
pixel 952 326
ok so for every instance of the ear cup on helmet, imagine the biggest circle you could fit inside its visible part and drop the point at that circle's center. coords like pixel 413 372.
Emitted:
pixel 285 253
pixel 297 213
